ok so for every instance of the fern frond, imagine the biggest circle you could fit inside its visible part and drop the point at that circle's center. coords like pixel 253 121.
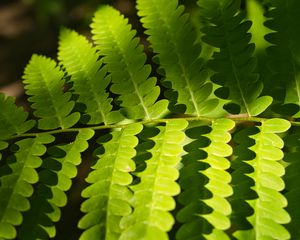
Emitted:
pixel 88 76
pixel 241 182
pixel 285 52
pixel 16 179
pixel 152 199
pixel 206 183
pixel 233 64
pixel 13 119
pixel 109 195
pixel 44 84
pixel 291 179
pixel 172 38
pixel 55 179
pixel 125 60
pixel 269 214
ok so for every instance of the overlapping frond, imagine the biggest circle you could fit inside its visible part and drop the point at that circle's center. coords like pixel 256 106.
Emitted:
pixel 241 182
pixel 54 180
pixel 44 84
pixel 109 195
pixel 152 196
pixel 233 64
pixel 206 183
pixel 285 54
pixel 269 214
pixel 88 76
pixel 291 179
pixel 173 40
pixel 13 119
pixel 16 180
pixel 125 60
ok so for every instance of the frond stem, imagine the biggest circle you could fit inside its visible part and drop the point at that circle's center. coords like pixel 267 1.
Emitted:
pixel 235 118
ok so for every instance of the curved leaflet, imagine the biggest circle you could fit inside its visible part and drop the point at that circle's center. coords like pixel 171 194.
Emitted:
pixel 125 60
pixel 152 196
pixel 17 178
pixel 284 54
pixel 173 40
pixel 88 76
pixel 206 183
pixel 291 179
pixel 44 84
pixel 234 63
pixel 54 180
pixel 13 120
pixel 269 213
pixel 109 195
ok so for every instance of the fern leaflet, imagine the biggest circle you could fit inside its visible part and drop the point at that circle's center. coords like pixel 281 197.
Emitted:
pixel 108 195
pixel 16 179
pixel 205 166
pixel 153 194
pixel 55 179
pixel 126 62
pixel 233 63
pixel 291 179
pixel 88 77
pixel 284 53
pixel 44 84
pixel 268 207
pixel 172 38
pixel 12 120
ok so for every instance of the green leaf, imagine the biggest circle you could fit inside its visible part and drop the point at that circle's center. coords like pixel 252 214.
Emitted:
pixel 260 105
pixel 284 62
pixel 16 182
pixel 125 59
pixel 210 186
pixel 44 84
pixel 172 38
pixel 152 199
pixel 55 179
pixel 233 62
pixel 108 195
pixel 269 213
pixel 291 179
pixel 88 76
pixel 12 118
pixel 276 125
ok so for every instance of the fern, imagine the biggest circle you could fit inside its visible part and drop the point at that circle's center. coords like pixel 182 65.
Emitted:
pixel 172 38
pixel 88 77
pixel 17 178
pixel 268 207
pixel 228 33
pixel 125 60
pixel 284 54
pixel 55 179
pixel 44 84
pixel 109 196
pixel 153 194
pixel 184 167
pixel 209 175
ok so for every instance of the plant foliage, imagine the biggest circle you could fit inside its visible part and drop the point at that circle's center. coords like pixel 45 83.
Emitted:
pixel 190 144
